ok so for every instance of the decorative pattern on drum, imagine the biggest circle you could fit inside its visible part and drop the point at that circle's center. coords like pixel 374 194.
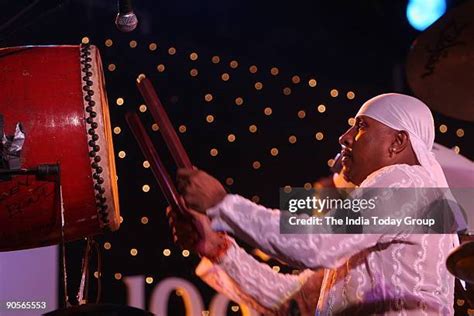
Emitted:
pixel 67 125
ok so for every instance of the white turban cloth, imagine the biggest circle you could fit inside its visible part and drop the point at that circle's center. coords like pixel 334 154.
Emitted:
pixel 405 113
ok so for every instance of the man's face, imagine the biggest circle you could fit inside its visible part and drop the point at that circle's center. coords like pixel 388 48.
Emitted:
pixel 365 148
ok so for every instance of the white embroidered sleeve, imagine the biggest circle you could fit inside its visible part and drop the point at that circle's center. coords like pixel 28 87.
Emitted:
pixel 243 279
pixel 260 227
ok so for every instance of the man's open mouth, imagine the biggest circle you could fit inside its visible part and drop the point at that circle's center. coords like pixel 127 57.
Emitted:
pixel 346 156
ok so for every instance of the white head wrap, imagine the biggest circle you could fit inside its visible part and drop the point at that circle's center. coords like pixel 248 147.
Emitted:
pixel 405 113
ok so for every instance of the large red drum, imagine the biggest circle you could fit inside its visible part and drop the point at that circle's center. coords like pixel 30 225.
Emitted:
pixel 57 94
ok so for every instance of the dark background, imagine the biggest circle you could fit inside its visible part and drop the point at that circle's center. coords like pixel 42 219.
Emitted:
pixel 357 46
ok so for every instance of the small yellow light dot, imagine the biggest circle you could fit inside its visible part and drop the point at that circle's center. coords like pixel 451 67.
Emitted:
pixel 133 44
pixel 85 40
pixel 155 127
pixel 171 50
pixel 334 93
pixel 118 276
pixel 166 252
pixel 210 118
pixel 142 108
pixel 258 85
pixel 350 95
pixel 301 114
pixel 182 129
pixel 235 308
pixel 149 280
pixel 144 220
pixel 274 151
pixel 443 128
pixel 152 47
pixel 146 164
pixel 460 132
pixel 292 139
pixel 351 121
pixel 253 128
pixel 460 302
pixel 456 149
pixel 229 181
pixel 208 97
pixel 215 59
pixel 255 199
pixel 319 136
pixel 286 91
pixel 185 253
pixel 287 189
pixel 225 76
pixel 312 83
pixel 331 163
pixel 231 138
pixel 121 219
pixel 193 72
pixel 160 67
pixel 234 64
pixel 117 130
pixel 253 69
pixel 96 274
pixel 111 67
pixel 133 252
pixel 296 79
pixel 274 71
pixel 308 186
pixel 256 165
pixel 193 56
pixel 122 154
pixel 214 152
pixel 276 268
pixel 120 101
pixel 179 292
pixel 145 188
pixel 321 108
pixel 268 111
pixel 108 42
pixel 107 246
pixel 239 101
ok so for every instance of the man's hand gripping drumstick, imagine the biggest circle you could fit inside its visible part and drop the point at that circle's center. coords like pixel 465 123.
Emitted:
pixel 191 230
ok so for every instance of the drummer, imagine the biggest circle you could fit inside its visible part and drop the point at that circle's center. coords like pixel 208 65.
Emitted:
pixel 389 146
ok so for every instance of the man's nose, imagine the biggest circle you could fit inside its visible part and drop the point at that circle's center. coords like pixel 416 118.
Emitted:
pixel 347 138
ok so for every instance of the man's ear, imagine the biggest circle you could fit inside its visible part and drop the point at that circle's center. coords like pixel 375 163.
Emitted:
pixel 400 142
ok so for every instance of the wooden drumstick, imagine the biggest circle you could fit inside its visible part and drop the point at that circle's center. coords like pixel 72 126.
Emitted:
pixel 173 143
pixel 157 166
pixel 166 128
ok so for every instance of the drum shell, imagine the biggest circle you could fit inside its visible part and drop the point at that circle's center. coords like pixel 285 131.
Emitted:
pixel 42 88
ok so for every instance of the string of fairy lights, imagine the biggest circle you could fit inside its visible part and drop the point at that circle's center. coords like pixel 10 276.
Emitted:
pixel 292 84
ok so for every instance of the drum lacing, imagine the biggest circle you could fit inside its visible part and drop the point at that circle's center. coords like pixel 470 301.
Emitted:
pixel 93 136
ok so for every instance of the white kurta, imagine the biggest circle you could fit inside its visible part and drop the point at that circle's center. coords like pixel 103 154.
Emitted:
pixel 365 274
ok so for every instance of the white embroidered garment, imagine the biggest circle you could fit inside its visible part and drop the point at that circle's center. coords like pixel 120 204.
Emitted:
pixel 403 274
pixel 243 279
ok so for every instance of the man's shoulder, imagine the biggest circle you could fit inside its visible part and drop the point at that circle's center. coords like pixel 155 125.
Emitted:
pixel 399 176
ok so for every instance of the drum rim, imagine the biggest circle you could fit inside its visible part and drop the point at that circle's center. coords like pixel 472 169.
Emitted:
pixel 106 189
